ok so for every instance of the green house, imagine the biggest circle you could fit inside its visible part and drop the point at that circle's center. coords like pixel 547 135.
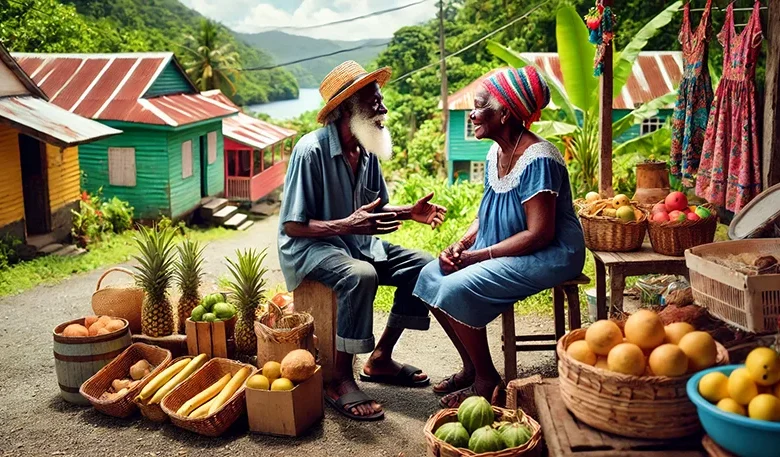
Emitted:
pixel 654 74
pixel 170 154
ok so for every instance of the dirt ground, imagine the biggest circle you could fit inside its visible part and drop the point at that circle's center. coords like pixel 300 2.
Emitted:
pixel 37 422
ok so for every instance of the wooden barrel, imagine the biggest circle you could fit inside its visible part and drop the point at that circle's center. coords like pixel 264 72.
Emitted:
pixel 77 359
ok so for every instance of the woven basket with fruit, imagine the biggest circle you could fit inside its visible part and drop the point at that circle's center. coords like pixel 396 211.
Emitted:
pixel 615 224
pixel 675 226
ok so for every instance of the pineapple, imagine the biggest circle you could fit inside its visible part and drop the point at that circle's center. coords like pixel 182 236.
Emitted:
pixel 187 275
pixel 156 258
pixel 247 287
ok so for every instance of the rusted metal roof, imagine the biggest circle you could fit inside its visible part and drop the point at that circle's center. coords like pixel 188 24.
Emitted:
pixel 655 73
pixel 110 87
pixel 246 129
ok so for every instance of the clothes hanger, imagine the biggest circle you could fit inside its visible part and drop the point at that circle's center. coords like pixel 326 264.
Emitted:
pixel 716 7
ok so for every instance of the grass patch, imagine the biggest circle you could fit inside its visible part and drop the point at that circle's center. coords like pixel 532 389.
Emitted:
pixel 112 250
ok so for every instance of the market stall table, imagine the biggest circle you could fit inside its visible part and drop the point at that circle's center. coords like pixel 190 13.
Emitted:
pixel 619 265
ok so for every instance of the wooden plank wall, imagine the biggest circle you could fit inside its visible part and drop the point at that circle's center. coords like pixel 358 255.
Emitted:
pixel 11 195
pixel 64 175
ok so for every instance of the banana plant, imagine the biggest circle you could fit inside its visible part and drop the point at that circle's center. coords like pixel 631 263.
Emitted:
pixel 575 125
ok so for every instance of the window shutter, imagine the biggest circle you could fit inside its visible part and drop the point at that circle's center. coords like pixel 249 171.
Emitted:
pixel 121 167
pixel 186 159
pixel 212 145
pixel 477 172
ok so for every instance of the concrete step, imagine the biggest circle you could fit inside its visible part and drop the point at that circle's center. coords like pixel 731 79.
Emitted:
pixel 41 241
pixel 211 207
pixel 66 251
pixel 223 215
pixel 246 225
pixel 235 221
pixel 48 249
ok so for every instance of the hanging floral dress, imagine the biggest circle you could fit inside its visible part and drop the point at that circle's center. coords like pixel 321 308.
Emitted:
pixel 729 173
pixel 694 100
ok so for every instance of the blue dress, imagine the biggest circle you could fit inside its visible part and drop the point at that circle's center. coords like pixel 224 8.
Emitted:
pixel 477 294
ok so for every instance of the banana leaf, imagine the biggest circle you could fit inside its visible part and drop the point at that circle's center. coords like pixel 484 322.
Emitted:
pixel 656 144
pixel 646 111
pixel 576 56
pixel 624 61
pixel 547 129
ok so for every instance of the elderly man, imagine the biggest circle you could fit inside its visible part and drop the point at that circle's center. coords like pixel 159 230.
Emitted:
pixel 335 202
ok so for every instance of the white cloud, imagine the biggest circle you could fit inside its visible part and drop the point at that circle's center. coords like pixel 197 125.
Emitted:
pixel 248 16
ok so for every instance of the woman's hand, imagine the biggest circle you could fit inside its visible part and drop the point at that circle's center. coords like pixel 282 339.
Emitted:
pixel 449 257
pixel 468 258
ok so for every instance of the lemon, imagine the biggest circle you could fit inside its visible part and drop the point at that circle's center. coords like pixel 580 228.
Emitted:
pixel 602 336
pixel 741 388
pixel 272 370
pixel 763 366
pixel 645 329
pixel 258 381
pixel 627 358
pixel 714 386
pixel 668 360
pixel 580 351
pixel 729 405
pixel 764 407
pixel 282 384
pixel 676 330
pixel 701 350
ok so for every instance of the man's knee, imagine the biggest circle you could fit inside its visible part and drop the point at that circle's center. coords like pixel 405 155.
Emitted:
pixel 362 275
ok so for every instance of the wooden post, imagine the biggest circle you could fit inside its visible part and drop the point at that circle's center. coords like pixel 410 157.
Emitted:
pixel 443 67
pixel 605 123
pixel 771 143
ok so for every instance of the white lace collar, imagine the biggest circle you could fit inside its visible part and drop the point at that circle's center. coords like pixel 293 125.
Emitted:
pixel 511 179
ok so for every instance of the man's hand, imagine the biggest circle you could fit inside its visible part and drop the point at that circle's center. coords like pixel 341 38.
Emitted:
pixel 428 213
pixel 449 258
pixel 365 222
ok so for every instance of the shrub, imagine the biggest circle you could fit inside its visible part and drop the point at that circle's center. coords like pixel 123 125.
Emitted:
pixel 95 218
pixel 9 250
pixel 119 214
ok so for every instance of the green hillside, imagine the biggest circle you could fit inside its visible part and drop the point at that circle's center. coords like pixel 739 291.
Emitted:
pixel 130 26
pixel 285 47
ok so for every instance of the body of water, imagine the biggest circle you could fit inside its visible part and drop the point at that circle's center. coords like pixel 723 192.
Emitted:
pixel 308 99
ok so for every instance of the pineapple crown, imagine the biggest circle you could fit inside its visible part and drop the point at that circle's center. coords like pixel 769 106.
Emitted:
pixel 188 269
pixel 156 259
pixel 247 284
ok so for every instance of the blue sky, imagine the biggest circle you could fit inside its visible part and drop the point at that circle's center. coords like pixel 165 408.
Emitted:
pixel 257 15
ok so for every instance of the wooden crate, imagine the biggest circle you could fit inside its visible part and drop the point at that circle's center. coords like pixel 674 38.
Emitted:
pixel 565 436
pixel 215 339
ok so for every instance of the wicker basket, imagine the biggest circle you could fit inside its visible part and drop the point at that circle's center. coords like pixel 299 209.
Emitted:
pixel 154 412
pixel 520 394
pixel 748 301
pixel 278 334
pixel 119 368
pixel 609 234
pixel 217 423
pixel 119 301
pixel 438 448
pixel 649 407
pixel 673 238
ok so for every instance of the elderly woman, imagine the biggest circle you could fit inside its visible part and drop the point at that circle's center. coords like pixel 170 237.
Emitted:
pixel 526 237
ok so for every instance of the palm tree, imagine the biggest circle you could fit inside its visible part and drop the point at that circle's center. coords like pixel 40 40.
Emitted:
pixel 575 127
pixel 210 60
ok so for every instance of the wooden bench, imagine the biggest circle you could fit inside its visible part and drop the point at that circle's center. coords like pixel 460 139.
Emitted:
pixel 567 291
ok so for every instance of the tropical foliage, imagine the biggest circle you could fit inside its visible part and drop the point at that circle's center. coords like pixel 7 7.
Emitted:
pixel 210 59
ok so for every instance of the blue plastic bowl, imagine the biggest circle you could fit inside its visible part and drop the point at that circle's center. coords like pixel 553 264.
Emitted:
pixel 743 436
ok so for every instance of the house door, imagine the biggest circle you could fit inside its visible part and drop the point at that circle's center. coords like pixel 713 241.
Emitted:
pixel 35 185
pixel 204 167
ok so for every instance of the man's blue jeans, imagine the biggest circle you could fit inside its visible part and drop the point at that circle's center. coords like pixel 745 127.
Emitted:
pixel 356 281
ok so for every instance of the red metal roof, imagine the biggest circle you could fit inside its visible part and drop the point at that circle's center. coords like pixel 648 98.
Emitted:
pixel 655 73
pixel 246 129
pixel 110 87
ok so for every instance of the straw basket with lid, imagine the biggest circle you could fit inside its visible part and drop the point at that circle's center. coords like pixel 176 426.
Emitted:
pixel 123 301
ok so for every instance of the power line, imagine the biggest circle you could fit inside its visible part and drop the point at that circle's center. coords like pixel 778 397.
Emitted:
pixel 342 21
pixel 306 59
pixel 471 45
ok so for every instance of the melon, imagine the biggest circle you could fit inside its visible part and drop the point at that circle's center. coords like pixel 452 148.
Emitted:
pixel 627 358
pixel 515 434
pixel 676 330
pixel 645 329
pixel 485 439
pixel 602 336
pixel 298 365
pixel 580 351
pixel 668 360
pixel 700 349
pixel 475 412
pixel 454 434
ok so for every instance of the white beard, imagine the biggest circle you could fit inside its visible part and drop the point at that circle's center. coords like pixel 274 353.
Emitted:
pixel 374 139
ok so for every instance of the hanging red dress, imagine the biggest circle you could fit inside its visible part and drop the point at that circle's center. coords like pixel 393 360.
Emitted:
pixel 729 173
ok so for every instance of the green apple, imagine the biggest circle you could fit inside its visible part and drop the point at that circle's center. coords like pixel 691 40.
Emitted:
pixel 702 212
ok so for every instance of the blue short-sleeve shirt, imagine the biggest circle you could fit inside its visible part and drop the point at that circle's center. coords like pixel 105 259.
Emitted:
pixel 320 185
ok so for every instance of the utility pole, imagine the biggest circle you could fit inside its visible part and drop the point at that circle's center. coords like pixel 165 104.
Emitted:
pixel 444 105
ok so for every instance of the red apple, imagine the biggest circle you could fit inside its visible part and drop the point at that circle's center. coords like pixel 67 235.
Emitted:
pixel 661 216
pixel 687 210
pixel 693 216
pixel 659 207
pixel 677 216
pixel 676 201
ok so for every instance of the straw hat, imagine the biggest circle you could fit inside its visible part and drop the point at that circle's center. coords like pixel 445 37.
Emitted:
pixel 343 81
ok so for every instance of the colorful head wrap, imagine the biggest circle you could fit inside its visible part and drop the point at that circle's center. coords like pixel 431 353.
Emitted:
pixel 523 92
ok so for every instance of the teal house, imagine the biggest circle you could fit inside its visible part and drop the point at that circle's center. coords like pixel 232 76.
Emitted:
pixel 654 74
pixel 170 154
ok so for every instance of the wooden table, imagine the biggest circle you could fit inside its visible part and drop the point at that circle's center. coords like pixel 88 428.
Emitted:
pixel 565 436
pixel 620 265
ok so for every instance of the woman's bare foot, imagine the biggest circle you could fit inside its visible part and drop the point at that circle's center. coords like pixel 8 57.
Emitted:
pixel 340 387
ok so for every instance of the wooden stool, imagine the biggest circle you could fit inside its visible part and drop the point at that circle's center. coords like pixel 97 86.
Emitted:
pixel 509 341
pixel 320 301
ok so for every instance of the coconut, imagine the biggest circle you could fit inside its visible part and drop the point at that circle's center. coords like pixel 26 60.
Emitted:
pixel 298 365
